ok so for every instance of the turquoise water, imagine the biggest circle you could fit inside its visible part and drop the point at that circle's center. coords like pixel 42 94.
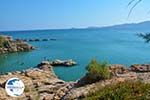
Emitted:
pixel 114 46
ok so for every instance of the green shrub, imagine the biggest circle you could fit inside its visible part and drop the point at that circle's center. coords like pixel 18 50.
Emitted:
pixel 3 42
pixel 97 71
pixel 122 91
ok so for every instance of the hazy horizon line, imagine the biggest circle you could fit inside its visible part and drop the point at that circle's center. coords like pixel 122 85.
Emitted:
pixel 88 27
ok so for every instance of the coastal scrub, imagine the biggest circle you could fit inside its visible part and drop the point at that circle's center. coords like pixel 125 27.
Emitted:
pixel 97 71
pixel 122 91
pixel 3 42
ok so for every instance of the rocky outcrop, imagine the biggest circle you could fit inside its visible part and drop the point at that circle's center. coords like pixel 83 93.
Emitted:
pixel 80 92
pixel 115 70
pixel 63 63
pixel 8 45
pixel 118 69
pixel 58 62
pixel 140 67
pixel 40 84
pixel 120 74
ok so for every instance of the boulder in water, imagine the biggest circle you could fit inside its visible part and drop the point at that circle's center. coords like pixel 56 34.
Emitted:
pixel 63 63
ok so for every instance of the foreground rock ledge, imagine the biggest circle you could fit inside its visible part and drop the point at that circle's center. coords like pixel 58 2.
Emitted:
pixel 42 84
pixel 120 74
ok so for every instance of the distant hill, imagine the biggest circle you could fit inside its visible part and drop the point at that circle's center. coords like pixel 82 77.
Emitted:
pixel 132 26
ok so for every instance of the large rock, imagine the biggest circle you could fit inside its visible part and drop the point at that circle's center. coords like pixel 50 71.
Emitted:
pixel 140 67
pixel 8 45
pixel 118 69
pixel 63 63
pixel 40 83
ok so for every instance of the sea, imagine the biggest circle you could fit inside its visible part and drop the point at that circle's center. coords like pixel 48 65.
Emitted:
pixel 81 45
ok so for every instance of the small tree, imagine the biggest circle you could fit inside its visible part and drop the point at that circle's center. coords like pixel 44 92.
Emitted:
pixel 97 71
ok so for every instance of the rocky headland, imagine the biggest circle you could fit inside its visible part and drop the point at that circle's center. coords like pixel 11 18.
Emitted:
pixel 41 83
pixel 8 45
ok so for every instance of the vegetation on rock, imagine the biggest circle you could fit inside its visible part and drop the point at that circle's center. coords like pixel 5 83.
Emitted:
pixel 8 45
pixel 122 91
pixel 97 71
pixel 3 42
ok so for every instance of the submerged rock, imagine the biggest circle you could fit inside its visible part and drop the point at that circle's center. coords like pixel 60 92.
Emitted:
pixel 44 39
pixel 53 39
pixel 37 40
pixel 33 40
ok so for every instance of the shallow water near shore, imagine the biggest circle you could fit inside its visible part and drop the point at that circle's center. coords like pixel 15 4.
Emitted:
pixel 81 45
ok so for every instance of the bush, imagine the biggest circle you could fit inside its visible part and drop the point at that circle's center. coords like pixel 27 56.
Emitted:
pixel 122 91
pixel 3 42
pixel 97 71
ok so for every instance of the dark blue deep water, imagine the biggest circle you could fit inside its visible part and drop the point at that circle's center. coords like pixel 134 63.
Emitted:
pixel 81 45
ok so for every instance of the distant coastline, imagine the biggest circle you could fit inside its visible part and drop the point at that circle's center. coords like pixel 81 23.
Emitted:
pixel 141 25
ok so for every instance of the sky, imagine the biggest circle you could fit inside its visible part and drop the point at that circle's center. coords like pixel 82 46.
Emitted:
pixel 60 14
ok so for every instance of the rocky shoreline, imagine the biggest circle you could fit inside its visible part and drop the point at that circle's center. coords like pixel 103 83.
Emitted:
pixel 8 45
pixel 41 83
